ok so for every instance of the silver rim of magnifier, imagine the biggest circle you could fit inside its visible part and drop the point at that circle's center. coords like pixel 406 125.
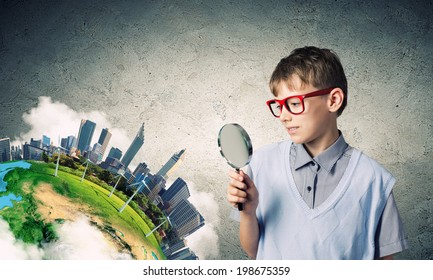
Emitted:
pixel 247 141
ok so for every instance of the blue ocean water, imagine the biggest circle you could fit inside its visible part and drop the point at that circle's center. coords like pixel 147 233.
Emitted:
pixel 6 201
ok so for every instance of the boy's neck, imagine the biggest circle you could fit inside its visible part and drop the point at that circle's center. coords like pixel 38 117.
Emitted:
pixel 316 147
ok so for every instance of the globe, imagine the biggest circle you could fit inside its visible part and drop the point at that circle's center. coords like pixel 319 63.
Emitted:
pixel 43 216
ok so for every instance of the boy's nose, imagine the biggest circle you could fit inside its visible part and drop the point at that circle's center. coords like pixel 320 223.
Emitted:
pixel 285 115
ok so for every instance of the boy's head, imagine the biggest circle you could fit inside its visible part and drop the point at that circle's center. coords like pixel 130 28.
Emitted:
pixel 320 68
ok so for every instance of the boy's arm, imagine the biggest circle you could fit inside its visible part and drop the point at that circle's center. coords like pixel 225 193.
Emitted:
pixel 241 189
pixel 249 234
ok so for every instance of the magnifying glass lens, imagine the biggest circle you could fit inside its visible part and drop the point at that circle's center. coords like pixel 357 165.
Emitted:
pixel 235 147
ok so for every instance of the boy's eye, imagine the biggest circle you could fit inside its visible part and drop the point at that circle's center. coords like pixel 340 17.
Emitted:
pixel 293 102
pixel 276 106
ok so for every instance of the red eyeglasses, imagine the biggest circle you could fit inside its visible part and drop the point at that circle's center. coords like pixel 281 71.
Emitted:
pixel 294 104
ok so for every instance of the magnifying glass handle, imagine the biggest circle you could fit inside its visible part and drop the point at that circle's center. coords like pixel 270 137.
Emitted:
pixel 240 205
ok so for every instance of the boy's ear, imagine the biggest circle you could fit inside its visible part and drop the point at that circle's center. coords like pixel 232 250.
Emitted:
pixel 335 99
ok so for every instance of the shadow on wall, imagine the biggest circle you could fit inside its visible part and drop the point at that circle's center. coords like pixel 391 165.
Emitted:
pixel 414 199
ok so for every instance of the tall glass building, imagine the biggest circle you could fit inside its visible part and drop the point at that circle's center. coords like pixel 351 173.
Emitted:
pixel 185 219
pixel 115 153
pixel 104 138
pixel 172 164
pixel 36 143
pixel 87 128
pixel 135 146
pixel 175 194
pixel 46 141
pixel 5 149
pixel 184 254
pixel 72 142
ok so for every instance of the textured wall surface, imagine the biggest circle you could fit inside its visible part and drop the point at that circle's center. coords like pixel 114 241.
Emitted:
pixel 185 68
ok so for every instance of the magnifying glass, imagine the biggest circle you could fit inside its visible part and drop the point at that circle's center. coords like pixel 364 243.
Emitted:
pixel 235 146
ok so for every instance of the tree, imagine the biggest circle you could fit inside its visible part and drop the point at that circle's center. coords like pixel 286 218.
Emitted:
pixel 67 161
pixel 45 157
pixel 105 176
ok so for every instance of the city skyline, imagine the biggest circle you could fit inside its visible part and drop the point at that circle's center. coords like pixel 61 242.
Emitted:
pixel 72 143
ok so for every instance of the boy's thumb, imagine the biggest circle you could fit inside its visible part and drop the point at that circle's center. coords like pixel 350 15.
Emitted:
pixel 247 179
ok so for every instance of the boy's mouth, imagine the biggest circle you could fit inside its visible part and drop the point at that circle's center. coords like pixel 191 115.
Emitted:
pixel 292 129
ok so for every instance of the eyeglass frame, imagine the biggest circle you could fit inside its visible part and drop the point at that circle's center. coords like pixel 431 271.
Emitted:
pixel 283 102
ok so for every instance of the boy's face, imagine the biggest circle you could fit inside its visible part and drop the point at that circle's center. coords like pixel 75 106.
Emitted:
pixel 316 124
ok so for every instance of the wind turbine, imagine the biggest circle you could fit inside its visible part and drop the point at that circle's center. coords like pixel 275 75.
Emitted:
pixel 59 147
pixel 166 219
pixel 120 174
pixel 142 184
pixel 85 169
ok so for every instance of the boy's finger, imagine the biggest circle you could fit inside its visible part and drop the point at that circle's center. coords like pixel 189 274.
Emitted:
pixel 235 175
pixel 236 199
pixel 246 179
pixel 238 185
pixel 236 192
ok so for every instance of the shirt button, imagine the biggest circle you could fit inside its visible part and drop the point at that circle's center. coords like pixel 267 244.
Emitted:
pixel 309 189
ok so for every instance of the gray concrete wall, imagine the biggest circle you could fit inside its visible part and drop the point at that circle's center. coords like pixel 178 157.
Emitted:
pixel 185 68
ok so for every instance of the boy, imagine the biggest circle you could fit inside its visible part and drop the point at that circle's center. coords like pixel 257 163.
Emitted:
pixel 314 197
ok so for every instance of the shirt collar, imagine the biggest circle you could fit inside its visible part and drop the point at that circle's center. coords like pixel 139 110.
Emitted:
pixel 325 159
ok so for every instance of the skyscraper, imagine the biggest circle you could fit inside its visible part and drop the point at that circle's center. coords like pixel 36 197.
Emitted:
pixel 135 146
pixel 112 164
pixel 173 246
pixel 95 154
pixel 5 149
pixel 64 142
pixel 87 128
pixel 46 141
pixel 141 168
pixel 140 172
pixel 151 186
pixel 32 152
pixel 184 254
pixel 175 193
pixel 72 142
pixel 36 143
pixel 185 219
pixel 172 164
pixel 115 153
pixel 104 138
pixel 16 152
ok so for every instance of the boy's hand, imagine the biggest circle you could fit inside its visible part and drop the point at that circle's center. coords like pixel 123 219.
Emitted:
pixel 241 189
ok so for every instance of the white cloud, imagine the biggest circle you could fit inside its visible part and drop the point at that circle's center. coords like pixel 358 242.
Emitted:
pixel 13 249
pixel 204 242
pixel 78 240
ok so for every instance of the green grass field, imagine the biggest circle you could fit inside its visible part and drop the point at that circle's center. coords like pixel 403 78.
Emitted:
pixel 28 225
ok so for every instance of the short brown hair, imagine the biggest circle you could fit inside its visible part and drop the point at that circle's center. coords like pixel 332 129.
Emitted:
pixel 320 68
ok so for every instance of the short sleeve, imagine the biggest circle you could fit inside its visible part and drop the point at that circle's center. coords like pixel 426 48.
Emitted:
pixel 390 236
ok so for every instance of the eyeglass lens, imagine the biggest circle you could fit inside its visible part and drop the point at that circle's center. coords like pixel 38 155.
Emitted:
pixel 293 105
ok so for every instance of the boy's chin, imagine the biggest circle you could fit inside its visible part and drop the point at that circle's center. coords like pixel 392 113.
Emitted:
pixel 296 140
